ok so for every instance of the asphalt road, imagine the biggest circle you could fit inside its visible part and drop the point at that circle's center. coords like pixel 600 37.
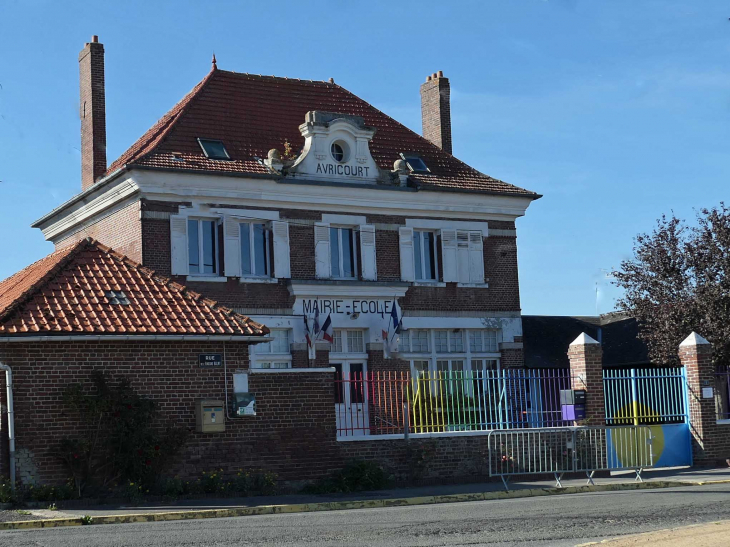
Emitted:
pixel 554 520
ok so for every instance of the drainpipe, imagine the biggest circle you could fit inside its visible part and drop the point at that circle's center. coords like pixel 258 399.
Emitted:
pixel 11 421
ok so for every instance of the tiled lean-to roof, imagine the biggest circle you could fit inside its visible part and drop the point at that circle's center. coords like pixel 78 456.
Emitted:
pixel 252 114
pixel 90 289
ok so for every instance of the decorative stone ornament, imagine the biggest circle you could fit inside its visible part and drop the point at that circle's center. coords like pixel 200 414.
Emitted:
pixel 336 148
pixel 273 160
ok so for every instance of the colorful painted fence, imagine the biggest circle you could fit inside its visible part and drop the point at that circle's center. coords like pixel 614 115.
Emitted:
pixel 381 403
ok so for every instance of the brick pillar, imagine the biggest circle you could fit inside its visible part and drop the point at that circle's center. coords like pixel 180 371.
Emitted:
pixel 695 353
pixel 586 368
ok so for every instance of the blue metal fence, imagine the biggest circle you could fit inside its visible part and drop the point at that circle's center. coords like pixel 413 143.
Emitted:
pixel 645 396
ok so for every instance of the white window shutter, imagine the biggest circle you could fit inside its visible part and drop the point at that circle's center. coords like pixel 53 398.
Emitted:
pixel 448 255
pixel 367 252
pixel 322 250
pixel 407 269
pixel 232 247
pixel 476 257
pixel 179 244
pixel 282 266
pixel 462 255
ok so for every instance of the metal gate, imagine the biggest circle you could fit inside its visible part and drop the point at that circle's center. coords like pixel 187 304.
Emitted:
pixel 653 397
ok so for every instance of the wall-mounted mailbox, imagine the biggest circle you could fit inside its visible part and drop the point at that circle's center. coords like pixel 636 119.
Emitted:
pixel 573 412
pixel 573 404
pixel 209 416
pixel 572 396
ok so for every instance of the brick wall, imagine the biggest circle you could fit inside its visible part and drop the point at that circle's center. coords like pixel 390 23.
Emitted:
pixel 120 230
pixel 293 433
pixel 500 265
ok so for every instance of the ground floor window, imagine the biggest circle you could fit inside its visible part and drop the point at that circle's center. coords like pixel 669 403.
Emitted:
pixel 348 341
pixel 272 364
pixel 275 354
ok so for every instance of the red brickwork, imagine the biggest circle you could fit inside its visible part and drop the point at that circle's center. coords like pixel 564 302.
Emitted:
pixel 710 440
pixel 436 111
pixel 92 111
pixel 512 358
pixel 293 433
pixel 586 369
pixel 121 230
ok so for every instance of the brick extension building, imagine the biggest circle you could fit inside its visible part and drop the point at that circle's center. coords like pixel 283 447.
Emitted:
pixel 278 198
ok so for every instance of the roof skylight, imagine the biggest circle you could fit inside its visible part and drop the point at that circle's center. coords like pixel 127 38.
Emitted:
pixel 117 298
pixel 213 149
pixel 415 163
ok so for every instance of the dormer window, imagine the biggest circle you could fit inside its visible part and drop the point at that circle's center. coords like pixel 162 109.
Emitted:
pixel 415 163
pixel 214 150
pixel 339 151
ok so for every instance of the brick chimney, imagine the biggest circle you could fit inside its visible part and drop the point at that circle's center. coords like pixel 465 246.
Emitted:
pixel 92 110
pixel 436 110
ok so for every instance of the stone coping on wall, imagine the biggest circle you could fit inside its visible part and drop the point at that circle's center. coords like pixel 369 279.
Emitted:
pixel 329 370
pixel 400 436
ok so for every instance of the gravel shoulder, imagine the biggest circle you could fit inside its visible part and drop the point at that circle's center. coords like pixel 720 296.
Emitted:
pixel 714 534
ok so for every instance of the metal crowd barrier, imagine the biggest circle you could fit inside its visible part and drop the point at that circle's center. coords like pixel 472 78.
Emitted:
pixel 559 450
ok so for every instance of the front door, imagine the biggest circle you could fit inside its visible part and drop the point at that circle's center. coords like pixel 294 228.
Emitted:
pixel 351 398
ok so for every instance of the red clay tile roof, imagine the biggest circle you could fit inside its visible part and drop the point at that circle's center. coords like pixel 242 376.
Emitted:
pixel 252 114
pixel 67 292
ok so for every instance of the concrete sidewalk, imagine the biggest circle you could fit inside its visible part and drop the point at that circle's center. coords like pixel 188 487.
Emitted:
pixel 410 496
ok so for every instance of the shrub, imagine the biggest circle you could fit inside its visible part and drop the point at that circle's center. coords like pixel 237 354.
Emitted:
pixel 356 476
pixel 6 491
pixel 123 442
pixel 173 488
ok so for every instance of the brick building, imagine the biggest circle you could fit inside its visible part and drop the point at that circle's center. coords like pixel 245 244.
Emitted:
pixel 282 199
pixel 277 197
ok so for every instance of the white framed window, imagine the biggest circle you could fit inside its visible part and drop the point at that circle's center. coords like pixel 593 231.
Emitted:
pixel 343 256
pixel 255 249
pixel 480 366
pixel 456 341
pixel 279 344
pixel 416 340
pixel 441 341
pixel 203 249
pixel 424 255
pixel 483 341
pixel 272 364
pixel 420 368
pixel 449 341
pixel 348 341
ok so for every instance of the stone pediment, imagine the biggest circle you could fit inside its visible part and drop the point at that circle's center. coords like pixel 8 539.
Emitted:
pixel 336 148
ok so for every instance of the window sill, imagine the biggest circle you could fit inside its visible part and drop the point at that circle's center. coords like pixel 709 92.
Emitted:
pixel 258 280
pixel 474 285
pixel 725 421
pixel 210 278
pixel 429 284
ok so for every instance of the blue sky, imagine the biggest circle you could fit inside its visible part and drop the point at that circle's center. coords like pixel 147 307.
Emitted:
pixel 616 111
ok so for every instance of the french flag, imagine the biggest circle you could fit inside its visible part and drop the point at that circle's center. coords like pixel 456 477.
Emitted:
pixel 306 332
pixel 327 329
